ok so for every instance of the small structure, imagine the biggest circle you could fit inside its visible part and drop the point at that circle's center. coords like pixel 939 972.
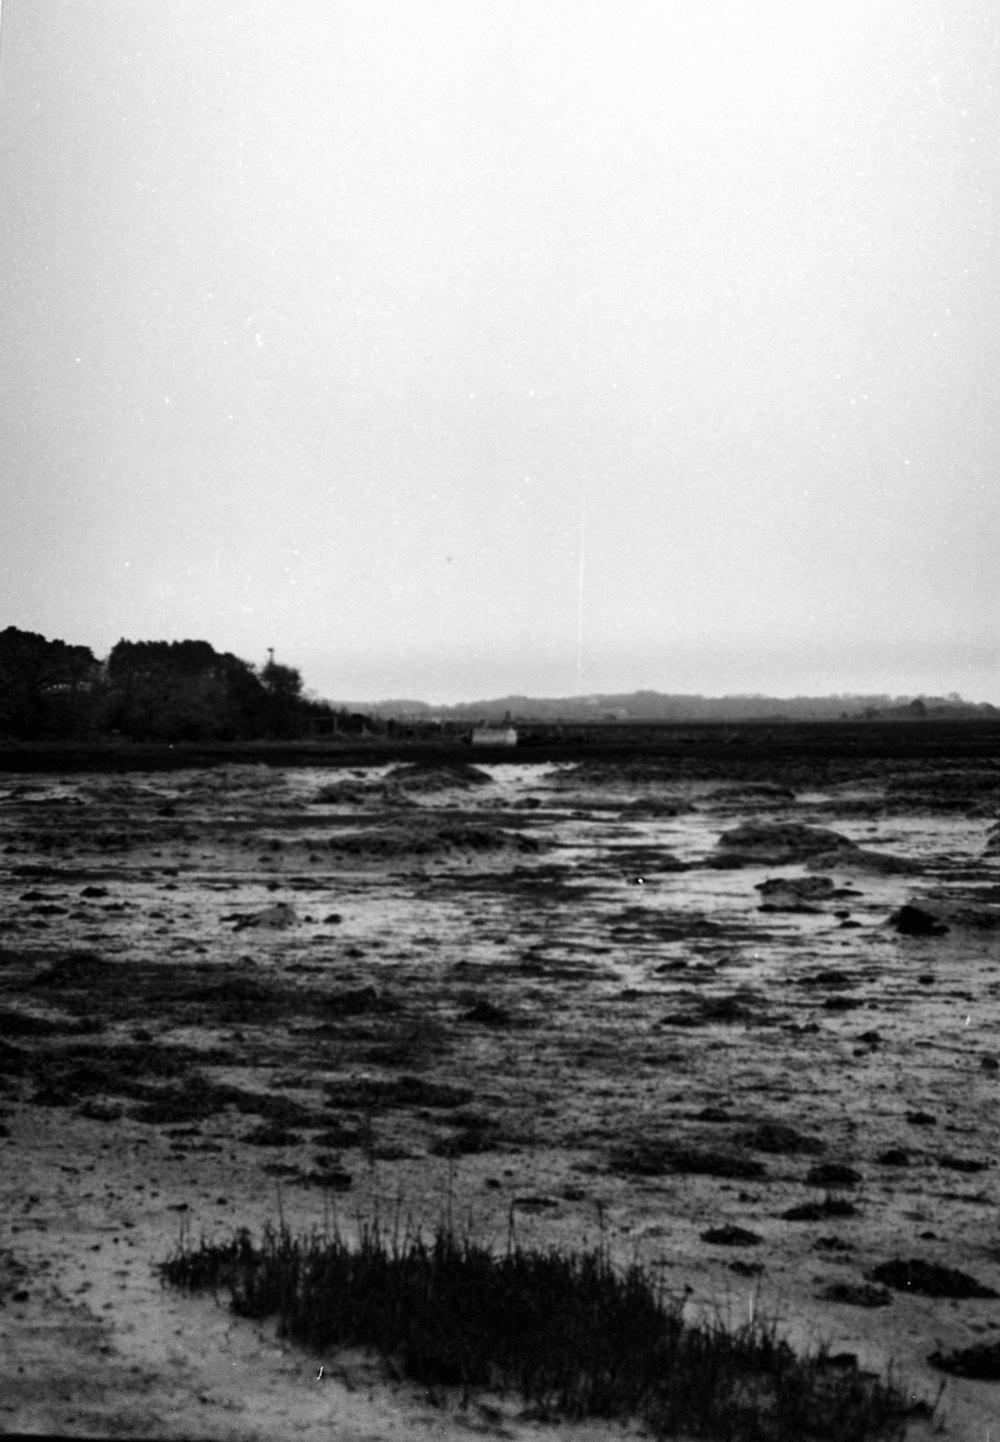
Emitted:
pixel 494 736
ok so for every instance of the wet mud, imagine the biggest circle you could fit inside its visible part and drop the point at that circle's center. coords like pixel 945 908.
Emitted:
pixel 741 1021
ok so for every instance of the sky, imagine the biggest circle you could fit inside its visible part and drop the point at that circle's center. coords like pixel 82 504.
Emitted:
pixel 460 348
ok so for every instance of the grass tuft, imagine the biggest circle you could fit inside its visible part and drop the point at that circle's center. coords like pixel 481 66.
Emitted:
pixel 575 1335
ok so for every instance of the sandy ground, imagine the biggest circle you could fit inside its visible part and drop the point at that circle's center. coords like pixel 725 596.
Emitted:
pixel 551 999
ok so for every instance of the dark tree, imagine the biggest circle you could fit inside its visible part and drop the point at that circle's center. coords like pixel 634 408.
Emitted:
pixel 181 691
pixel 149 691
pixel 46 687
pixel 283 708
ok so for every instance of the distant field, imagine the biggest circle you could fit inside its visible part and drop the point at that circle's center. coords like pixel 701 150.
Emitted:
pixel 748 745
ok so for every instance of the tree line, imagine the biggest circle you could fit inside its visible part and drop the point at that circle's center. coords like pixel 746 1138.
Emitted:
pixel 151 691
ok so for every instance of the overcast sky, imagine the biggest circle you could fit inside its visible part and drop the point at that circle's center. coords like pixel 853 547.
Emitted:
pixel 463 347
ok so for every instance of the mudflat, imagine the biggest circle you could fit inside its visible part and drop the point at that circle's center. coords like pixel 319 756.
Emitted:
pixel 732 1010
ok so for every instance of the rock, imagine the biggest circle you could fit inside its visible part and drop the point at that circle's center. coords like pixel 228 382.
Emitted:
pixel 730 1236
pixel 487 1013
pixel 274 918
pixel 912 920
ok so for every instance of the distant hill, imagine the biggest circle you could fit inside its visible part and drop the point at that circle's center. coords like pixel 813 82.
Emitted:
pixel 656 706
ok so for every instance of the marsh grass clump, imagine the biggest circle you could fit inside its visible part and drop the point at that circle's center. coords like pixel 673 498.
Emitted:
pixel 571 1332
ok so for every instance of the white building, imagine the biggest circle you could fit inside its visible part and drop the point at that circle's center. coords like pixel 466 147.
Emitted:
pixel 494 736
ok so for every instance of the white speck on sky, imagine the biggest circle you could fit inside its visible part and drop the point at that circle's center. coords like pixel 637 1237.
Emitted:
pixel 458 349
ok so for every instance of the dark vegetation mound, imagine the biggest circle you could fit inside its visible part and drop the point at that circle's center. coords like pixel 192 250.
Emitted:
pixel 431 836
pixel 981 1363
pixel 857 1294
pixel 862 858
pixel 459 775
pixel 830 1206
pixel 977 909
pixel 797 893
pixel 657 806
pixel 743 1008
pixel 802 888
pixel 574 1335
pixel 731 1236
pixel 752 795
pixel 779 843
pixel 356 792
pixel 833 1174
pixel 780 1138
pixel 963 789
pixel 619 774
pixel 653 1158
pixel 929 1279
pixel 363 1092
